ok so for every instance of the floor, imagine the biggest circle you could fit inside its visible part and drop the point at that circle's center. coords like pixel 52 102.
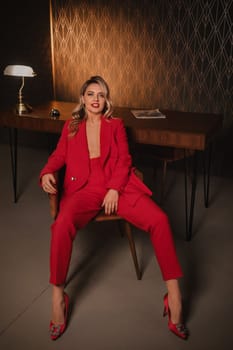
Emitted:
pixel 110 308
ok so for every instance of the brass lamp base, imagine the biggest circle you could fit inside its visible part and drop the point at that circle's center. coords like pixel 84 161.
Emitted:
pixel 23 108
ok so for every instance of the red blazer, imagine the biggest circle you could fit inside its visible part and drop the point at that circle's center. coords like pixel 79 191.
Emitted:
pixel 114 156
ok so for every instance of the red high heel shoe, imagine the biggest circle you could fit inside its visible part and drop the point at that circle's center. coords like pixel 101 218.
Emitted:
pixel 179 329
pixel 57 330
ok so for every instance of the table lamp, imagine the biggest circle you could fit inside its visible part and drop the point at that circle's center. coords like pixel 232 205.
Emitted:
pixel 20 71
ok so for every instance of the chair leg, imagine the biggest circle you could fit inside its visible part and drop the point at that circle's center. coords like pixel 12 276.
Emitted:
pixel 121 229
pixel 132 248
pixel 163 182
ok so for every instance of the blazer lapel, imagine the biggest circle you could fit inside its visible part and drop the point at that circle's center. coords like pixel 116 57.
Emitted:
pixel 81 147
pixel 105 139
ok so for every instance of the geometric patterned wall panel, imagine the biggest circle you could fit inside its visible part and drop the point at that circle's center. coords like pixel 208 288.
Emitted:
pixel 164 53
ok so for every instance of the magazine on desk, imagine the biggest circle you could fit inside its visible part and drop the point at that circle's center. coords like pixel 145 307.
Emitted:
pixel 148 114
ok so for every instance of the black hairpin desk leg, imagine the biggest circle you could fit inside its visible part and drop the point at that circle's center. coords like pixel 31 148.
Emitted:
pixel 190 213
pixel 207 158
pixel 13 138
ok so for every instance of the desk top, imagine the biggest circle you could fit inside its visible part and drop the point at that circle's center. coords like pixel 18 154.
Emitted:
pixel 179 129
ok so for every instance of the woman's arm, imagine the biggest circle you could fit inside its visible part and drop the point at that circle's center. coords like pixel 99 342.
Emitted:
pixel 58 158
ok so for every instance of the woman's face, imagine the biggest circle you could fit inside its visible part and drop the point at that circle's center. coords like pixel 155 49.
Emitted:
pixel 94 99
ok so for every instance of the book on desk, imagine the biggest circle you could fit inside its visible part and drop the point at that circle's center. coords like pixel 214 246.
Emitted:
pixel 148 114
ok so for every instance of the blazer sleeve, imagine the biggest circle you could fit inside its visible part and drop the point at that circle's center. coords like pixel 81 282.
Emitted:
pixel 123 164
pixel 58 158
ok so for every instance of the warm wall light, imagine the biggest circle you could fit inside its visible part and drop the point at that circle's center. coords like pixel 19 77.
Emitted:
pixel 20 71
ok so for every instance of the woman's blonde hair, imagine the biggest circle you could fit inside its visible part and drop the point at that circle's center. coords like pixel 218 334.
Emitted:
pixel 79 113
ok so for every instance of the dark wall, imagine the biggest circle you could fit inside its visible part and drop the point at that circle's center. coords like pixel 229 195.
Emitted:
pixel 25 39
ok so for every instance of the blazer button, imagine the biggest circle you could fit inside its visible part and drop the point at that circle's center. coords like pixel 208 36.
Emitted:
pixel 73 178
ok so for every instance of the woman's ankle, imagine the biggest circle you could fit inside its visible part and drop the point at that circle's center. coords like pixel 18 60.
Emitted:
pixel 174 300
pixel 58 304
pixel 175 306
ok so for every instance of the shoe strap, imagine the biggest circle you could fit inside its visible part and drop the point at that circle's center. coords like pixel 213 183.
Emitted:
pixel 55 330
pixel 181 328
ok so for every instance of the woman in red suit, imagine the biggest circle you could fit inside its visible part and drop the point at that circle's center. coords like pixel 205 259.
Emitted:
pixel 94 149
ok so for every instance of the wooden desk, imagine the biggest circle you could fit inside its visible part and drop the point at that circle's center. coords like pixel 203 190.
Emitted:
pixel 179 129
pixel 184 130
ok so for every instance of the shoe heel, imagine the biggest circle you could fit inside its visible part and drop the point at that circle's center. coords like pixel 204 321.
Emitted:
pixel 165 303
pixel 165 311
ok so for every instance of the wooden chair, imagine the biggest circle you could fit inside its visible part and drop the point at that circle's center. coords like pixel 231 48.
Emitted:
pixel 54 208
pixel 165 155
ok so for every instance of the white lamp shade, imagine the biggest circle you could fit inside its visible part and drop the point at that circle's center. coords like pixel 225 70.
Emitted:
pixel 19 71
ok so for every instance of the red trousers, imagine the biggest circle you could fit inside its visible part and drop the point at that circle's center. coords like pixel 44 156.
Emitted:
pixel 78 209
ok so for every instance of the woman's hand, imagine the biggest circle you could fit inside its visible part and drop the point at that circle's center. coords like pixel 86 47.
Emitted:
pixel 110 202
pixel 48 183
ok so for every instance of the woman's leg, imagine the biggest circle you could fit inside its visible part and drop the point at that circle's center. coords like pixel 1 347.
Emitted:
pixel 149 217
pixel 58 304
pixel 146 215
pixel 174 301
pixel 75 212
